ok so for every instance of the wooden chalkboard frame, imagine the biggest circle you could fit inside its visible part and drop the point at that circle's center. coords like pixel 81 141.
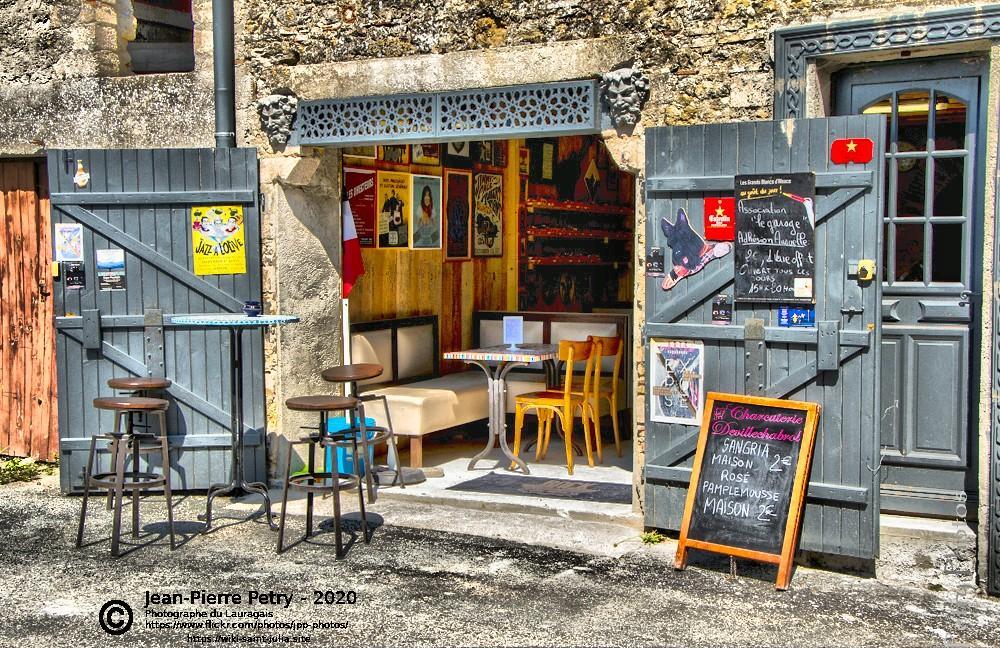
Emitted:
pixel 796 502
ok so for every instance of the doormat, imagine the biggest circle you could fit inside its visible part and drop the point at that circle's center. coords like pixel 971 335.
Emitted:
pixel 585 491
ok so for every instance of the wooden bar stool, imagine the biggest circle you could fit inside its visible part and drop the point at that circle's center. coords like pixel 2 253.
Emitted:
pixel 330 480
pixel 350 375
pixel 124 441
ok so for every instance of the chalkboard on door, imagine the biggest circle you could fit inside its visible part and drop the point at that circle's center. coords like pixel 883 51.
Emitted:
pixel 775 238
pixel 749 480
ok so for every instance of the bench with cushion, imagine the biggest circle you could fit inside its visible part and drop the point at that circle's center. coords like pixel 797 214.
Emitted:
pixel 420 401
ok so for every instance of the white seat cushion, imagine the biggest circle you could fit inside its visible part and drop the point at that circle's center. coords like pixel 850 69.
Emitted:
pixel 427 406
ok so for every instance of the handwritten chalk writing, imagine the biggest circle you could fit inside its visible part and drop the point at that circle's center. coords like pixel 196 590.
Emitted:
pixel 718 506
pixel 730 490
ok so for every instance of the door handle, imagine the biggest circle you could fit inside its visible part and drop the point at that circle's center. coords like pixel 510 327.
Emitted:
pixel 42 292
pixel 965 297
pixel 851 310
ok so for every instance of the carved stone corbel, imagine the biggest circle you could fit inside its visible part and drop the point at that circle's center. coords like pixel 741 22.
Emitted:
pixel 624 92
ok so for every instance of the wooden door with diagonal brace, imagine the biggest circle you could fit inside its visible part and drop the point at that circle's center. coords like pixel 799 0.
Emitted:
pixel 834 363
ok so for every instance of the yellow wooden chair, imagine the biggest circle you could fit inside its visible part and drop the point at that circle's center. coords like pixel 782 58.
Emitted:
pixel 562 403
pixel 607 388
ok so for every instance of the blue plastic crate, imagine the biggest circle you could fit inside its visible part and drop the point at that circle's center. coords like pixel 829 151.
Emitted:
pixel 345 458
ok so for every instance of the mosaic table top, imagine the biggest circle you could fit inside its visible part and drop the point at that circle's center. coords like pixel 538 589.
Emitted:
pixel 503 353
pixel 231 320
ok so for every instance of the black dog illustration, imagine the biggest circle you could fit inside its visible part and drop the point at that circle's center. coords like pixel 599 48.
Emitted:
pixel 689 251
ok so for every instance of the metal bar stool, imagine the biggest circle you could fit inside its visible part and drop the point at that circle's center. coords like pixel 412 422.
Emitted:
pixel 330 480
pixel 124 442
pixel 351 374
pixel 136 386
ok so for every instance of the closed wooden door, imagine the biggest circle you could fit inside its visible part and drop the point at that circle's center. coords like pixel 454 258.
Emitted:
pixel 930 276
pixel 27 391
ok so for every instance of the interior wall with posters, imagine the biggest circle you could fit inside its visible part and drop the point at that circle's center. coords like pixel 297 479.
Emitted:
pixel 444 265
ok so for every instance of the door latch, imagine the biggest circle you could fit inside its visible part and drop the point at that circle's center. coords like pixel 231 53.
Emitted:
pixel 965 297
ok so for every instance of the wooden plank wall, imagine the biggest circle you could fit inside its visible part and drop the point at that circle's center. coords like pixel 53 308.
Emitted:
pixel 27 360
pixel 405 283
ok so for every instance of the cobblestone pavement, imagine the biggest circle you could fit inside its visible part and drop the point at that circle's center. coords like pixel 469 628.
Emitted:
pixel 427 588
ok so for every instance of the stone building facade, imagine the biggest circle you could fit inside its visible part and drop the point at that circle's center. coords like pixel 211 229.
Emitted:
pixel 65 82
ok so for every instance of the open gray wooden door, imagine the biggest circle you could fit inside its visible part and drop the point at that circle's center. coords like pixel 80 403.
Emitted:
pixel 834 363
pixel 140 201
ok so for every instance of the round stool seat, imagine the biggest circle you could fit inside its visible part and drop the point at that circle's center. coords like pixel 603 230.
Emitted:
pixel 322 482
pixel 321 403
pixel 352 372
pixel 131 403
pixel 141 383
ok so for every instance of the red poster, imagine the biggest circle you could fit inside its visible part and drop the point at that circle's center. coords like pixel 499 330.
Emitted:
pixel 359 188
pixel 720 223
pixel 852 151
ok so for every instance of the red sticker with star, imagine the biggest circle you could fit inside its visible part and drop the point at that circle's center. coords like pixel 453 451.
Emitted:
pixel 720 221
pixel 858 150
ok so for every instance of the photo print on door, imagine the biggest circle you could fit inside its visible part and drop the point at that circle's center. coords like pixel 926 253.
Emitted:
pixel 689 252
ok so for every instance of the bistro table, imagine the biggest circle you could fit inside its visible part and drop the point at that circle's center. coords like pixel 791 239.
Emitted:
pixel 235 324
pixel 505 358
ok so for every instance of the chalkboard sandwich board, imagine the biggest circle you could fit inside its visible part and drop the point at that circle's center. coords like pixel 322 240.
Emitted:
pixel 749 480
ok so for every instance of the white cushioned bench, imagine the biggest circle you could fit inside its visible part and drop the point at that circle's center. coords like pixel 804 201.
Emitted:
pixel 420 401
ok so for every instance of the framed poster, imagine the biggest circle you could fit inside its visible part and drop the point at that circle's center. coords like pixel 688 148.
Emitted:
pixel 676 376
pixel 426 201
pixel 543 160
pixel 487 194
pixel 500 153
pixel 458 154
pixel 483 153
pixel 394 153
pixel 366 152
pixel 359 190
pixel 394 210
pixel 429 154
pixel 218 240
pixel 458 208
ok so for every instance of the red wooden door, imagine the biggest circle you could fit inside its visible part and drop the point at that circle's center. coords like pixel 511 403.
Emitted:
pixel 27 343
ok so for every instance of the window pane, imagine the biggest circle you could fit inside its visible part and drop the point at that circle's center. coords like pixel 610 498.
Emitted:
pixel 885 252
pixel 946 252
pixel 910 183
pixel 909 252
pixel 883 107
pixel 949 186
pixel 913 115
pixel 949 123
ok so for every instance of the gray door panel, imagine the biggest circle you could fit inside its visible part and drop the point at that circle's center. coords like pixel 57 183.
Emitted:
pixel 931 280
pixel 687 164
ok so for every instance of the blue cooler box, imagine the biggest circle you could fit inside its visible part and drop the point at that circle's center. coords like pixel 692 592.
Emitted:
pixel 345 458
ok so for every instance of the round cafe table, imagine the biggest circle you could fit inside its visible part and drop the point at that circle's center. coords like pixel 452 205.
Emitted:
pixel 235 324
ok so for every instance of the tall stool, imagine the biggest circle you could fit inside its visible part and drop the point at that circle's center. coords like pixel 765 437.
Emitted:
pixel 350 375
pixel 124 441
pixel 330 480
pixel 136 386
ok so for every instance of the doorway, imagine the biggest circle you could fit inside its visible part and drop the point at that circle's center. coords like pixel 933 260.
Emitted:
pixel 931 278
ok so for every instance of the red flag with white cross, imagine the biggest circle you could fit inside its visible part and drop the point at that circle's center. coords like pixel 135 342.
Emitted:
pixel 857 150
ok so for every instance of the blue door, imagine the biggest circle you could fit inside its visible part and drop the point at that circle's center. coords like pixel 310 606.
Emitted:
pixel 930 276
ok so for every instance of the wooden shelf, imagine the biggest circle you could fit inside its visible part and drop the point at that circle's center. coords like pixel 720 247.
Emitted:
pixel 579 207
pixel 571 233
pixel 577 260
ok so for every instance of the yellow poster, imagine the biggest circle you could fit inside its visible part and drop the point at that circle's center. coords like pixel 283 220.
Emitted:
pixel 218 240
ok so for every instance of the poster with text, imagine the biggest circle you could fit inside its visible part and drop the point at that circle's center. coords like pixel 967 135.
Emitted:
pixel 110 269
pixel 775 237
pixel 359 187
pixel 488 215
pixel 394 209
pixel 218 240
pixel 426 201
pixel 69 242
pixel 458 210
pixel 676 377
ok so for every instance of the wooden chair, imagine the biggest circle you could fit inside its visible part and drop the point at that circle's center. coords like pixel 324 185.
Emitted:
pixel 605 388
pixel 562 404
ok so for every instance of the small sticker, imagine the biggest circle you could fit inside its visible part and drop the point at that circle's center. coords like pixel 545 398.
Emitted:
pixel 720 218
pixel 76 276
pixel 654 262
pixel 722 310
pixel 802 287
pixel 793 316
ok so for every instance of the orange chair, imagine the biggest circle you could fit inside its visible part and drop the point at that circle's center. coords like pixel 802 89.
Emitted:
pixel 605 388
pixel 563 404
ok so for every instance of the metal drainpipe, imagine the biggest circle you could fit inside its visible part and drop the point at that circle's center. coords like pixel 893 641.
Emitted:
pixel 225 73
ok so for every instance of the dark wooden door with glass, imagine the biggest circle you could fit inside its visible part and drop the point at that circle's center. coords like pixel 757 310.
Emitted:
pixel 931 280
